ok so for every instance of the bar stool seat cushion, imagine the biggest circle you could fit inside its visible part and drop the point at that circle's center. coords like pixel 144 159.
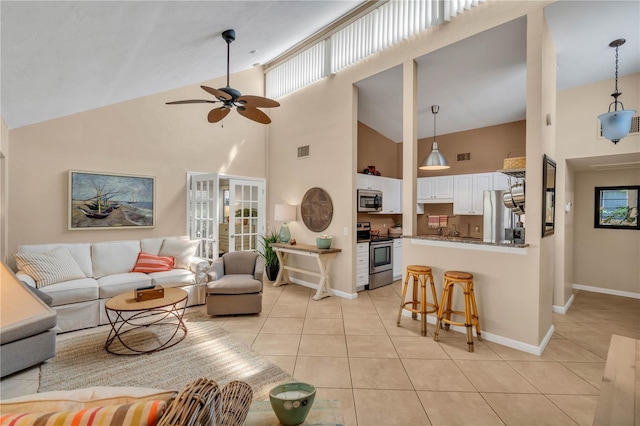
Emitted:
pixel 458 275
pixel 420 269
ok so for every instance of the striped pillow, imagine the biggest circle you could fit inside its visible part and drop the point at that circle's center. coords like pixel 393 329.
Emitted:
pixel 139 413
pixel 149 263
pixel 51 267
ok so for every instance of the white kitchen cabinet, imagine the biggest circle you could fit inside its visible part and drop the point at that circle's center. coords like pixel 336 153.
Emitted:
pixel 469 193
pixel 500 182
pixel 391 195
pixel 364 181
pixel 362 264
pixel 435 189
pixel 397 259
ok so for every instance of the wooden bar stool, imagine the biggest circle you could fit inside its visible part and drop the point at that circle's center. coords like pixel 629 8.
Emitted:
pixel 420 274
pixel 465 281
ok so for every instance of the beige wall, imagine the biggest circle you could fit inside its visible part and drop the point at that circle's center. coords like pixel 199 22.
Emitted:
pixel 488 147
pixel 577 135
pixel 142 137
pixel 605 258
pixel 375 149
pixel 311 116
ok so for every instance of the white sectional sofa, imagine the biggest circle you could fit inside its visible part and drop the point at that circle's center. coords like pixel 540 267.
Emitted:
pixel 107 266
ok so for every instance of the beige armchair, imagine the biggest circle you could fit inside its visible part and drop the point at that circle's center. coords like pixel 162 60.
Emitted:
pixel 235 284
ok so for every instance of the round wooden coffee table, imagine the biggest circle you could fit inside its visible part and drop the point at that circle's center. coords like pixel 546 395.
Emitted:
pixel 126 317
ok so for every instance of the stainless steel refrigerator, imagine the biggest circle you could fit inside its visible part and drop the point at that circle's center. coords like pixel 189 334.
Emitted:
pixel 496 218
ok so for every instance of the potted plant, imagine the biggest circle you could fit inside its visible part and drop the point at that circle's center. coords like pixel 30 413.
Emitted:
pixel 271 264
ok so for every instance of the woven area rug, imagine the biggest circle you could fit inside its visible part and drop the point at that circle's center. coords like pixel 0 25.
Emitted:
pixel 207 351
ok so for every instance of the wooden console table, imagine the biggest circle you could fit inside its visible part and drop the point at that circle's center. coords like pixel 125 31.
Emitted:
pixel 324 257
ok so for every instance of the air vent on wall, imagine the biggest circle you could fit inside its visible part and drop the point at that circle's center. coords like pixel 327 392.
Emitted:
pixel 303 151
pixel 634 130
pixel 463 157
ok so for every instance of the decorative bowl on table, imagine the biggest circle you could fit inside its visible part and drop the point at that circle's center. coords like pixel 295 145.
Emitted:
pixel 291 402
pixel 324 241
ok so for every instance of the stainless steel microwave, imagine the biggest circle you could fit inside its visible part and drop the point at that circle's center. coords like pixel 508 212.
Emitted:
pixel 369 200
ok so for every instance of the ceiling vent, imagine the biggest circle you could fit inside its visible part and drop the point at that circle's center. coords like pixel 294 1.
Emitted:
pixel 463 157
pixel 303 151
pixel 634 130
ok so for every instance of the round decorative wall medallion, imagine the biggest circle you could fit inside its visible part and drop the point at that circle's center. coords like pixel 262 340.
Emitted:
pixel 316 209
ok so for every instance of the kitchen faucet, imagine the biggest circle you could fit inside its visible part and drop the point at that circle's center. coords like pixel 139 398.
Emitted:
pixel 455 231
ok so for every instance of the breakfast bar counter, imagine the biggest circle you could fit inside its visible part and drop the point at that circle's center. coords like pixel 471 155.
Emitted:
pixel 323 256
pixel 506 285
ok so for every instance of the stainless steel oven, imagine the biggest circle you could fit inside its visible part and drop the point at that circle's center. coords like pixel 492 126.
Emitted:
pixel 380 262
pixel 369 200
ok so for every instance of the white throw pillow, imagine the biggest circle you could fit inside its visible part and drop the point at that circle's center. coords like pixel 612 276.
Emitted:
pixel 51 267
pixel 183 251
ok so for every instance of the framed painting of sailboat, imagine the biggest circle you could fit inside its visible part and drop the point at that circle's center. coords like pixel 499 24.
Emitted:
pixel 111 201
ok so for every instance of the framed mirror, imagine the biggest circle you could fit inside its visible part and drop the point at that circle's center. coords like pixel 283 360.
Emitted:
pixel 616 207
pixel 548 195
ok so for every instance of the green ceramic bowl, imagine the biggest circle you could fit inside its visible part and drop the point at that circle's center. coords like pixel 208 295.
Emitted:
pixel 291 402
pixel 323 243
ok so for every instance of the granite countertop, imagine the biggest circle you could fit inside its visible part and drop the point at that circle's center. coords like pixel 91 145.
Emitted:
pixel 466 240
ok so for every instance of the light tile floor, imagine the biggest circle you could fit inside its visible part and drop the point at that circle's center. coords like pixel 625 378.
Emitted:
pixel 353 351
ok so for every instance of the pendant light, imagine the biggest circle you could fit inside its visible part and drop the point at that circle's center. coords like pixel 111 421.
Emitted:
pixel 616 124
pixel 435 160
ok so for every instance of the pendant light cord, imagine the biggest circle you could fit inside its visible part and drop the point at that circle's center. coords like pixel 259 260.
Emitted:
pixel 616 69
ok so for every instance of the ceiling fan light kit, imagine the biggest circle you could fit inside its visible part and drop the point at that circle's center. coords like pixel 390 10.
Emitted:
pixel 246 105
pixel 617 123
pixel 435 160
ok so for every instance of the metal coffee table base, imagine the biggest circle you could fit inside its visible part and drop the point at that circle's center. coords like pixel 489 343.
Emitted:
pixel 167 316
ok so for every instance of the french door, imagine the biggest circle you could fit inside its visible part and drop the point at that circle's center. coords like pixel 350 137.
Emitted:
pixel 247 202
pixel 202 215
pixel 241 221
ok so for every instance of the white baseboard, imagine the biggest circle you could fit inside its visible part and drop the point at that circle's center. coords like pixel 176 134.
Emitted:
pixel 495 338
pixel 606 291
pixel 563 309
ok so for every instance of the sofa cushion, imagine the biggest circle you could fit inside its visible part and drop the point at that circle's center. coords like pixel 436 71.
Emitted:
pixel 113 285
pixel 183 251
pixel 74 291
pixel 148 263
pixel 80 252
pixel 173 278
pixel 51 267
pixel 153 245
pixel 135 414
pixel 235 284
pixel 78 399
pixel 48 300
pixel 23 314
pixel 114 257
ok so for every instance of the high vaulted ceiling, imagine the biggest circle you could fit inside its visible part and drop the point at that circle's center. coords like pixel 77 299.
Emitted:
pixel 63 57
pixel 59 58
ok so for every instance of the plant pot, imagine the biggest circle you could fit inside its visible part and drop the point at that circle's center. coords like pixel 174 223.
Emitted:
pixel 272 272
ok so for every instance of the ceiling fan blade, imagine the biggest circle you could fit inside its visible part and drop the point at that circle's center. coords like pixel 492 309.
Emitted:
pixel 254 114
pixel 258 101
pixel 191 101
pixel 217 93
pixel 217 114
